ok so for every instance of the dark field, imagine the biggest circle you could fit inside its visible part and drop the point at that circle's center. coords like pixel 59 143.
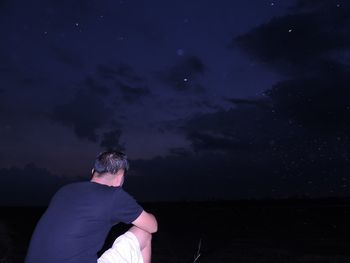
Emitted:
pixel 237 231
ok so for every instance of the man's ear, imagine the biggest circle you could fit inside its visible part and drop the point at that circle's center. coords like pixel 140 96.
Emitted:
pixel 122 180
pixel 120 176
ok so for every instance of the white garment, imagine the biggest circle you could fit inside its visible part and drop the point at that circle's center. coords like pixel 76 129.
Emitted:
pixel 125 249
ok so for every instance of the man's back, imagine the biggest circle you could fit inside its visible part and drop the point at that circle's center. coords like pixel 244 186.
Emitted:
pixel 74 227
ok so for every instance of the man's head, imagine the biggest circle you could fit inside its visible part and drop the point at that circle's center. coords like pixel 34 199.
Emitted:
pixel 110 165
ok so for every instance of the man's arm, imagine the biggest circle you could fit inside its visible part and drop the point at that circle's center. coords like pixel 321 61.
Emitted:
pixel 146 222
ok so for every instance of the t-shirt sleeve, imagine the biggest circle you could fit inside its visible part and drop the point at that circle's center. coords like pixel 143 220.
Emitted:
pixel 125 209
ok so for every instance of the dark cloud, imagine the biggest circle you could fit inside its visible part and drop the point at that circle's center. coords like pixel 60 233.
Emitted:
pixel 110 140
pixel 320 104
pixel 184 76
pixel 95 87
pixel 128 83
pixel 130 93
pixel 86 113
pixel 20 185
pixel 301 42
pixel 122 72
pixel 305 42
pixel 244 127
pixel 89 113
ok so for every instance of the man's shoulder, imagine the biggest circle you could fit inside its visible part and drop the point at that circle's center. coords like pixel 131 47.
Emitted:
pixel 73 188
pixel 88 188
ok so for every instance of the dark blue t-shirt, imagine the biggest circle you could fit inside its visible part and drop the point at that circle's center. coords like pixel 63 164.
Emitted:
pixel 74 227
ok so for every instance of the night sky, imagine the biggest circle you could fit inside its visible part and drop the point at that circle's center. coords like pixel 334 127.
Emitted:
pixel 211 100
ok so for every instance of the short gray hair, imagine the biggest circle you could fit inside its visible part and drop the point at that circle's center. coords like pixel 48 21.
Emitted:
pixel 111 162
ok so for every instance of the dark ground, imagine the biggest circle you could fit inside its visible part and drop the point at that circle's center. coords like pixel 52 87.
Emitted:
pixel 235 231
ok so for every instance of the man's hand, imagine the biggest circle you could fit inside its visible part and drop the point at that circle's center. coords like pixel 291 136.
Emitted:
pixel 146 222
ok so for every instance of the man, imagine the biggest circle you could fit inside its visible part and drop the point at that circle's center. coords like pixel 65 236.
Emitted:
pixel 74 227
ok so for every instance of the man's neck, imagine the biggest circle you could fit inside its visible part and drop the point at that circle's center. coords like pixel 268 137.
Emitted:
pixel 102 180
